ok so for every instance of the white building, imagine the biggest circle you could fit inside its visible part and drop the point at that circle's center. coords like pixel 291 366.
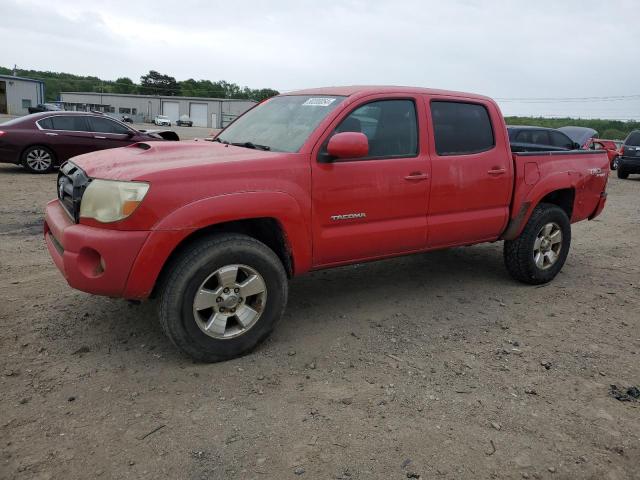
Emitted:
pixel 203 112
pixel 17 94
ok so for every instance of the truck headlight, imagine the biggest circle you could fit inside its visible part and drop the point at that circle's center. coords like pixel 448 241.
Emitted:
pixel 109 200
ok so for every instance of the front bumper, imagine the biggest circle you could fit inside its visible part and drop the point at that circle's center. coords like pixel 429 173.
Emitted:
pixel 94 260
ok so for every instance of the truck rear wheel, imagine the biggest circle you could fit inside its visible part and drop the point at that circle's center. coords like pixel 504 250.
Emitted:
pixel 622 174
pixel 539 253
pixel 222 297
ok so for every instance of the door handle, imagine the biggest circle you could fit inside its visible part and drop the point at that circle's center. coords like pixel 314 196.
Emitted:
pixel 497 171
pixel 99 137
pixel 416 176
pixel 51 134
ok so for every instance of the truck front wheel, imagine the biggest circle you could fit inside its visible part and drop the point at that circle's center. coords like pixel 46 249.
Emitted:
pixel 538 254
pixel 222 297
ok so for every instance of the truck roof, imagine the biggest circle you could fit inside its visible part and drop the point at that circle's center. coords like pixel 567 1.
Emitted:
pixel 359 90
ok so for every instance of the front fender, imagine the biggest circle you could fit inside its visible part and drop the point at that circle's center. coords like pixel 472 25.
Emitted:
pixel 169 232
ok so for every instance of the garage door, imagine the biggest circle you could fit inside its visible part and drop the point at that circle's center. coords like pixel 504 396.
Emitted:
pixel 198 114
pixel 171 110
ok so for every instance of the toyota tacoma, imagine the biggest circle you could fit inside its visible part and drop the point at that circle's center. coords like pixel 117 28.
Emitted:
pixel 306 181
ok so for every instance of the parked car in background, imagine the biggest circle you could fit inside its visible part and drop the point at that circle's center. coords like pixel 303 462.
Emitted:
pixel 162 120
pixel 127 119
pixel 214 230
pixel 41 141
pixel 581 135
pixel 45 107
pixel 611 147
pixel 629 161
pixel 184 121
pixel 538 139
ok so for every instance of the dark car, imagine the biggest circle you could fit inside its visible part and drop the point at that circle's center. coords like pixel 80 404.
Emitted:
pixel 41 141
pixel 184 121
pixel 629 161
pixel 538 139
pixel 45 107
pixel 581 135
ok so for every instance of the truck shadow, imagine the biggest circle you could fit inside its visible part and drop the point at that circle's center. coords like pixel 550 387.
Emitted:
pixel 417 291
pixel 329 301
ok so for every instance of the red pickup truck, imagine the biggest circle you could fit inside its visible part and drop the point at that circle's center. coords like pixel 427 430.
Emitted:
pixel 305 181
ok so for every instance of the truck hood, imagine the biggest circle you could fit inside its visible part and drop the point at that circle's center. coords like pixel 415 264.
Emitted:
pixel 141 161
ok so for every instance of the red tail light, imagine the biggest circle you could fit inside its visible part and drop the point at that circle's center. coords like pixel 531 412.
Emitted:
pixel 2 133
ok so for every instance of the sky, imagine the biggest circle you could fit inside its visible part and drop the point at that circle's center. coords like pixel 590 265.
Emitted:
pixel 542 57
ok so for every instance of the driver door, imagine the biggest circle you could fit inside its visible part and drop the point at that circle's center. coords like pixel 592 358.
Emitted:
pixel 374 206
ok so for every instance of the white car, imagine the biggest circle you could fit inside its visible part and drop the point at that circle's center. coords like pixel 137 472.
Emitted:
pixel 162 120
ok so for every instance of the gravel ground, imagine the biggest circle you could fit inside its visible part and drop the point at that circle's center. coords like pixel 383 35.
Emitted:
pixel 434 366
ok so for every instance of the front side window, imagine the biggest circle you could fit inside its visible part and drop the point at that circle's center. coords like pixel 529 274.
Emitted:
pixel 70 123
pixel 461 128
pixel 390 126
pixel 283 123
pixel 104 125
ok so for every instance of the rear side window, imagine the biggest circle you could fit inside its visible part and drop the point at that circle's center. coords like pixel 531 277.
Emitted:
pixel 560 140
pixel 104 125
pixel 633 139
pixel 540 137
pixel 46 123
pixel 70 123
pixel 461 128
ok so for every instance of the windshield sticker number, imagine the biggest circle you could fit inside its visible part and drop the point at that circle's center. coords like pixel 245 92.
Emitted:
pixel 319 102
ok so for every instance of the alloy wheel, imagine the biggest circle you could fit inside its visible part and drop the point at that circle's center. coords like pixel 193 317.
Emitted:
pixel 547 246
pixel 39 160
pixel 230 301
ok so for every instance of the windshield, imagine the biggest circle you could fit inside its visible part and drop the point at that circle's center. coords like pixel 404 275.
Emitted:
pixel 281 123
pixel 633 139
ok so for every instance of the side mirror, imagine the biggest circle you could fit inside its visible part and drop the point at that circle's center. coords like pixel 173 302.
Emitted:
pixel 348 145
pixel 576 146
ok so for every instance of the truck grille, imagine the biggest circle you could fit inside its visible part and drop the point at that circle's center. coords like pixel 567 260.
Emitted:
pixel 72 182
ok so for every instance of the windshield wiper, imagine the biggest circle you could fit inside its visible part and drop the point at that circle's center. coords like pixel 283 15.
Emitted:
pixel 255 146
pixel 217 139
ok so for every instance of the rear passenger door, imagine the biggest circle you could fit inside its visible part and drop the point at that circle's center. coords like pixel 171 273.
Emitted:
pixel 108 133
pixel 472 172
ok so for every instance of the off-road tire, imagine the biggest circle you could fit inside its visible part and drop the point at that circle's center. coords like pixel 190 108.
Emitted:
pixel 519 253
pixel 187 272
pixel 622 174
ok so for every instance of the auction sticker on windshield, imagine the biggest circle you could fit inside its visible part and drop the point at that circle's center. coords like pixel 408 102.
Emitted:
pixel 319 102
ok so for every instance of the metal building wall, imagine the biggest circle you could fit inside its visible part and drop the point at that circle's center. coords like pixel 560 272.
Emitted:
pixel 18 90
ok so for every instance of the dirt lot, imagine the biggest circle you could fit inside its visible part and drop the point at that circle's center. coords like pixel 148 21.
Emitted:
pixel 435 365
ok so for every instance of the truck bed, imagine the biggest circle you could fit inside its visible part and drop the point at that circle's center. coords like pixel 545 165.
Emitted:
pixel 539 173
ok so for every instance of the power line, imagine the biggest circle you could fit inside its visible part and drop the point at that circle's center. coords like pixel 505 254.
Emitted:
pixel 611 98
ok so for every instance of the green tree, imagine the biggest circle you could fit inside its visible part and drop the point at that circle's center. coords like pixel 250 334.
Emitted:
pixel 123 85
pixel 155 83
